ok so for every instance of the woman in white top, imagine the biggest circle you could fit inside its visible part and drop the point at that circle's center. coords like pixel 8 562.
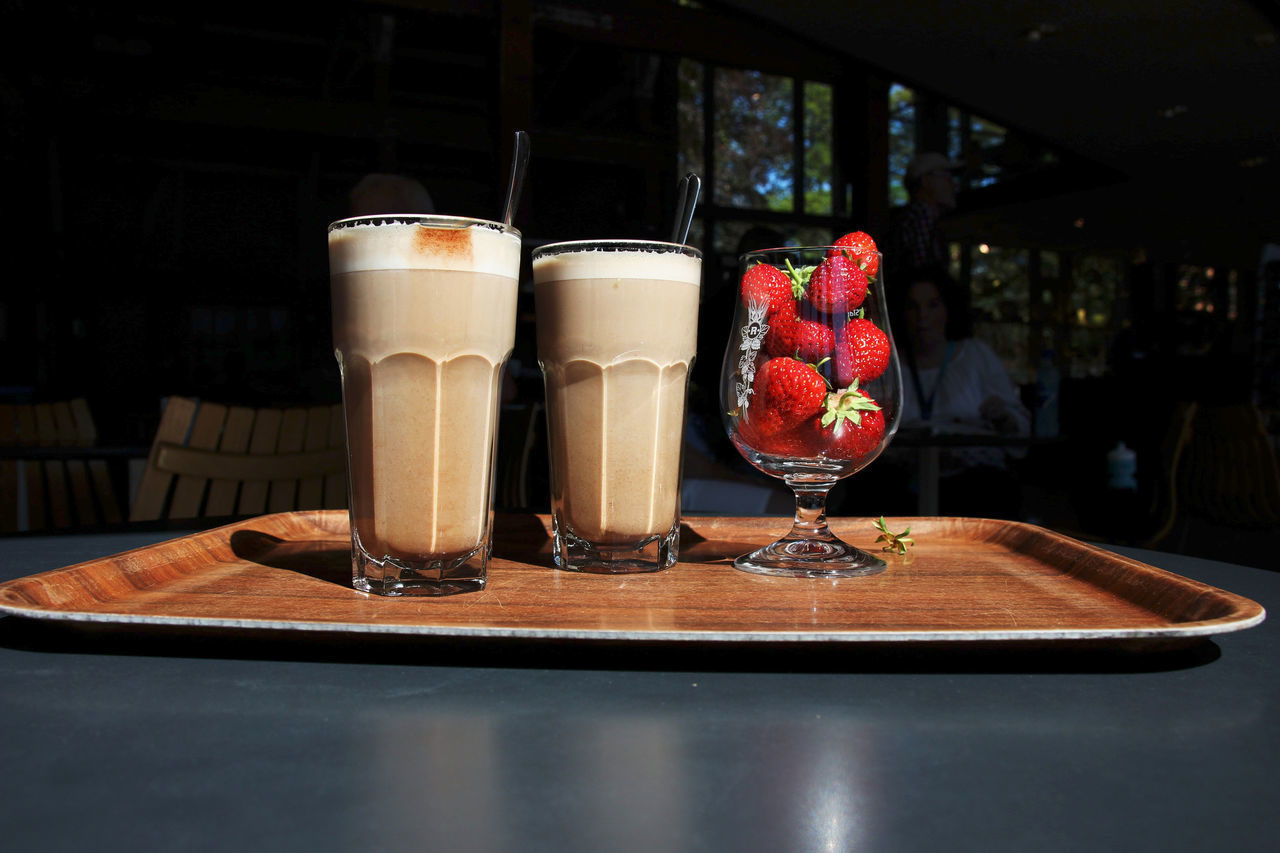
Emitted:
pixel 955 383
pixel 952 381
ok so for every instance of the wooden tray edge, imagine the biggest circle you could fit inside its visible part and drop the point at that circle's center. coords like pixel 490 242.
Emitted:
pixel 1240 613
pixel 972 636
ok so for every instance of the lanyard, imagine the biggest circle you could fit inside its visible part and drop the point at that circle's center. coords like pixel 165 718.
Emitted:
pixel 926 403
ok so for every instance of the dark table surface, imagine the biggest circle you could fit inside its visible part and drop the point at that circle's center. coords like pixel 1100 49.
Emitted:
pixel 152 741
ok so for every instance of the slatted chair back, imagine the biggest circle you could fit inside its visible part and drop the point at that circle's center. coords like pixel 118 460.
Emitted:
pixel 1173 448
pixel 1230 473
pixel 44 491
pixel 215 461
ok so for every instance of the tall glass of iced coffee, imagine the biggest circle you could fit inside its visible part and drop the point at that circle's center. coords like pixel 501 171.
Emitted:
pixel 617 330
pixel 424 315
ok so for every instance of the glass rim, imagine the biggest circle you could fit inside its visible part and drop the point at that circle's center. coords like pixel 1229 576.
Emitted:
pixel 616 245
pixel 438 220
pixel 784 249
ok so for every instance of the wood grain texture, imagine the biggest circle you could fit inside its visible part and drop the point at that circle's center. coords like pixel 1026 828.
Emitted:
pixel 153 489
pixel 283 495
pixel 266 433
pixel 965 579
pixel 311 488
pixel 221 500
pixel 220 461
pixel 206 432
pixel 53 492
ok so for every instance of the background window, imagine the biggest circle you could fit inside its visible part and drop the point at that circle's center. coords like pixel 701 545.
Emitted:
pixel 818 140
pixel 902 140
pixel 754 131
pixel 691 129
pixel 1000 287
pixel 1091 313
pixel 771 164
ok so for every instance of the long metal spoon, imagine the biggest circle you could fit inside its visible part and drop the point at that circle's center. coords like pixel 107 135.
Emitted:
pixel 687 200
pixel 519 162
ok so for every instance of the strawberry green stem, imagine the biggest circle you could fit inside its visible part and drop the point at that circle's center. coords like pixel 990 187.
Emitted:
pixel 798 281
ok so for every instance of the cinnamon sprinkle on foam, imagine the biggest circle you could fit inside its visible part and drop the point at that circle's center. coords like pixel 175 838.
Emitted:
pixel 448 242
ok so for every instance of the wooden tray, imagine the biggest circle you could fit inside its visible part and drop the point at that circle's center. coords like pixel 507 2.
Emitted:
pixel 965 580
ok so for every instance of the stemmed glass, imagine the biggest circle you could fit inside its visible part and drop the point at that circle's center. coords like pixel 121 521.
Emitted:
pixel 811 389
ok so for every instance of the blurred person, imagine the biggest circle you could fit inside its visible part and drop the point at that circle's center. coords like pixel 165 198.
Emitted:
pixel 913 239
pixel 954 383
pixel 380 192
pixel 950 378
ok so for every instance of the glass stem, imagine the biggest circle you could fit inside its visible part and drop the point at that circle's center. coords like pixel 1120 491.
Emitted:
pixel 811 510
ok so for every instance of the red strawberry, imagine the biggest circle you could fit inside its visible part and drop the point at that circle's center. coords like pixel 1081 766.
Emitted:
pixel 859 247
pixel 837 285
pixel 861 353
pixel 764 284
pixel 792 443
pixel 851 428
pixel 855 440
pixel 786 393
pixel 791 335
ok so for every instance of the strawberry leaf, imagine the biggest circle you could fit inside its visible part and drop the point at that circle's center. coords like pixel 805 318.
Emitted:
pixel 893 541
pixel 799 278
pixel 848 404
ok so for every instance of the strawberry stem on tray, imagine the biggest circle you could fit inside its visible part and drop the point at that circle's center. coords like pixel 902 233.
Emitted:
pixel 893 541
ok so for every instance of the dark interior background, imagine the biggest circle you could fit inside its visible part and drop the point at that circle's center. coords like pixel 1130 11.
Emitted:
pixel 170 169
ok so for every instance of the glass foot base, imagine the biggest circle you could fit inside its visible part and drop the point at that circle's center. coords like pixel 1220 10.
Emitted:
pixel 811 558
pixel 650 554
pixel 393 576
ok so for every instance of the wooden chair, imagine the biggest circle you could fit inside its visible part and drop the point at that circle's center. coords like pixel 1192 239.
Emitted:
pixel 1145 520
pixel 49 481
pixel 215 461
pixel 1230 475
pixel 1173 447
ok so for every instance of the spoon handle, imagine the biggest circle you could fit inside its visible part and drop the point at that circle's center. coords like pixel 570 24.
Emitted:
pixel 687 200
pixel 519 162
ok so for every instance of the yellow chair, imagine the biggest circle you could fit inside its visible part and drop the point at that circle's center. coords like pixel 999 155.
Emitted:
pixel 50 478
pixel 215 461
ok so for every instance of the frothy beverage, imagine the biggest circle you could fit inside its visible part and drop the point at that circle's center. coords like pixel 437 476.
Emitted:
pixel 617 332
pixel 424 312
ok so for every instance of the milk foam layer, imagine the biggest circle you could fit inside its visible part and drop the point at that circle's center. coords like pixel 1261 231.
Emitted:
pixel 606 265
pixel 373 245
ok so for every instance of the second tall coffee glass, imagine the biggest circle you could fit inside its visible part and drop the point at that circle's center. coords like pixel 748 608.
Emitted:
pixel 617 333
